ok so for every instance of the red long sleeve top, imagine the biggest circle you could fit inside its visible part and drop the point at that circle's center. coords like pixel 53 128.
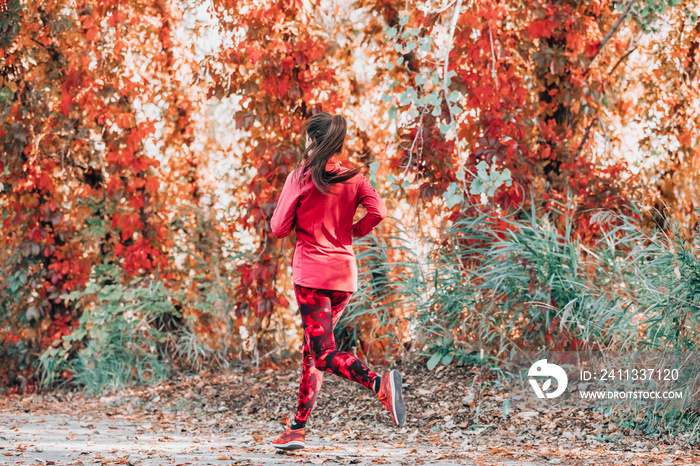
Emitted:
pixel 323 255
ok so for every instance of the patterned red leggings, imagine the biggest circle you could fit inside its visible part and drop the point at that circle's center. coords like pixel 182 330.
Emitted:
pixel 320 312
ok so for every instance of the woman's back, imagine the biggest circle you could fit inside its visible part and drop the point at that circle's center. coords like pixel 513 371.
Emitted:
pixel 323 256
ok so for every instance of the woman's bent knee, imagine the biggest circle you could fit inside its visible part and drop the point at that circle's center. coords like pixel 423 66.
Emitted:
pixel 322 359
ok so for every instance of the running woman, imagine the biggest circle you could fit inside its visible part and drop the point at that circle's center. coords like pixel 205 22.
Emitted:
pixel 319 200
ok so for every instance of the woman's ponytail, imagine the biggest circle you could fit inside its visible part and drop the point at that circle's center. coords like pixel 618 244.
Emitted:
pixel 327 133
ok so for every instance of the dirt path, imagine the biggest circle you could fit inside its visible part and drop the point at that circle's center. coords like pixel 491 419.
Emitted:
pixel 63 439
pixel 232 419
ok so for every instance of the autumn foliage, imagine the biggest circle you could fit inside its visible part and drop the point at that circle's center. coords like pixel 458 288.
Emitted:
pixel 153 137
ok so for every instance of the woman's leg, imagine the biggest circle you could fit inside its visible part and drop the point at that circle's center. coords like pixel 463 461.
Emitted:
pixel 311 377
pixel 316 308
pixel 311 381
pixel 339 302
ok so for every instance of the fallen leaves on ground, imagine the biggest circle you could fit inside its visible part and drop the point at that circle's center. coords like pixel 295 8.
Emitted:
pixel 449 418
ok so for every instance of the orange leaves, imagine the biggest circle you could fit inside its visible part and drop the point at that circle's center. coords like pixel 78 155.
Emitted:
pixel 546 152
pixel 254 54
pixel 280 46
pixel 44 182
pixel 284 71
pixel 90 28
pixel 285 75
pixel 574 40
pixel 282 301
pixel 135 183
pixel 124 120
pixel 305 75
pixel 316 51
pixel 152 184
pixel 117 16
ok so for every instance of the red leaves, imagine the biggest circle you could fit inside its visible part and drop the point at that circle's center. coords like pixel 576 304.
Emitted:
pixel 509 197
pixel 61 326
pixel 66 271
pixel 136 202
pixel 34 234
pixel 135 183
pixel 540 28
pixel 591 49
pixel 66 100
pixel 287 64
pixel 69 89
pixel 114 184
pixel 152 184
pixel 127 222
pixel 140 256
pixel 277 86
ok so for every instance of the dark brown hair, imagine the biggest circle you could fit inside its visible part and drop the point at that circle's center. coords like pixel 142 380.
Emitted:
pixel 327 133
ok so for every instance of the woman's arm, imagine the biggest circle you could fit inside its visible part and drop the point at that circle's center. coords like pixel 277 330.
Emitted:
pixel 282 220
pixel 376 209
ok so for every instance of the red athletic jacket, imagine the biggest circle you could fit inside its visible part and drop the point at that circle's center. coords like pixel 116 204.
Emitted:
pixel 323 256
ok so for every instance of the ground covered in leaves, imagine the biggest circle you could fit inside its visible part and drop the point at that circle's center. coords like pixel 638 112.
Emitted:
pixel 454 416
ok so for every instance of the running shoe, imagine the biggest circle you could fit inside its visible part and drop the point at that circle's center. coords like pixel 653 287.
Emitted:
pixel 291 439
pixel 390 396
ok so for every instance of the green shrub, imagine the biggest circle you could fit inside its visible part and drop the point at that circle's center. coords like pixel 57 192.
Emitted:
pixel 121 339
pixel 532 286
